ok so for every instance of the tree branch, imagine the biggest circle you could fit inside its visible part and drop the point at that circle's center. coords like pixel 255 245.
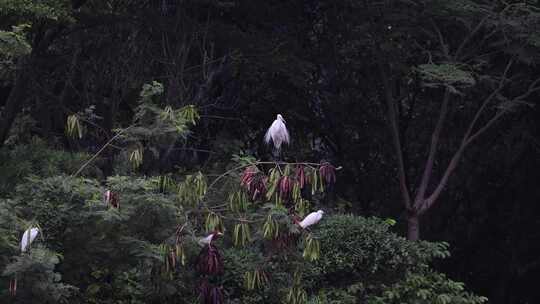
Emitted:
pixel 486 102
pixel 444 47
pixel 470 36
pixel 394 129
pixel 468 139
pixel 432 151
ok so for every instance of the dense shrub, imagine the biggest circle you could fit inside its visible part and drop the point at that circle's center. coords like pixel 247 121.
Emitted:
pixel 90 252
pixel 362 260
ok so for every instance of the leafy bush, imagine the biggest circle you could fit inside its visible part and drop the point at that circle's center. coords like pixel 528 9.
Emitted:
pixel 426 288
pixel 36 158
pixel 362 259
pixel 354 247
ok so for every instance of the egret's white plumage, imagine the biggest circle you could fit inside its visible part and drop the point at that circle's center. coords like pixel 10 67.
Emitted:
pixel 277 133
pixel 28 237
pixel 208 239
pixel 312 219
pixel 107 197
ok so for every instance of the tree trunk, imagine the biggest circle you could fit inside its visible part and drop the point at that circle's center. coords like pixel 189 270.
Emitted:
pixel 14 103
pixel 413 226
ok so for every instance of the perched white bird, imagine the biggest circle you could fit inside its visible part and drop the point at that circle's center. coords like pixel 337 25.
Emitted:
pixel 28 237
pixel 312 219
pixel 277 133
pixel 208 239
pixel 107 197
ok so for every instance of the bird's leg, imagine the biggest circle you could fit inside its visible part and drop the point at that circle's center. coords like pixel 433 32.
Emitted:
pixel 275 155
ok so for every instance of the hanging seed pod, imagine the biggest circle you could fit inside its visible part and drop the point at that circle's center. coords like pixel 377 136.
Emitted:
pixel 302 207
pixel 193 189
pixel 257 187
pixel 73 127
pixel 136 157
pixel 213 222
pixel 189 113
pixel 253 182
pixel 180 254
pixel 255 279
pixel 285 186
pixel 233 202
pixel 300 176
pixel 314 181
pixel 216 295
pixel 114 200
pixel 312 249
pixel 241 236
pixel 296 192
pixel 270 228
pixel 296 295
pixel 165 183
pixel 327 172
pixel 273 182
pixel 209 261
pixel 200 185
pixel 238 201
pixel 204 290
pixel 13 287
pixel 247 176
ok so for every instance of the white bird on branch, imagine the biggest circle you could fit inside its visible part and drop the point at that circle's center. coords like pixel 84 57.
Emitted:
pixel 107 197
pixel 28 237
pixel 208 239
pixel 312 219
pixel 277 133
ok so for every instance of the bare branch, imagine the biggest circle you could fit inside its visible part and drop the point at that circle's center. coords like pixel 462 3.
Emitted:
pixel 394 129
pixel 470 36
pixel 444 47
pixel 432 149
pixel 487 101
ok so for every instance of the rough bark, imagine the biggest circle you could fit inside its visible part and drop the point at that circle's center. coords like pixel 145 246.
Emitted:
pixel 413 226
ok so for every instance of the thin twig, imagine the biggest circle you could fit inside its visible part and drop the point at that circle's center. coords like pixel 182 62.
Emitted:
pixel 100 150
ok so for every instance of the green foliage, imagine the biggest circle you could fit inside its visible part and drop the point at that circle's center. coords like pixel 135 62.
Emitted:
pixel 122 250
pixel 13 43
pixel 446 75
pixel 364 249
pixel 426 287
pixel 362 259
pixel 154 128
pixel 46 10
pixel 37 278
pixel 37 159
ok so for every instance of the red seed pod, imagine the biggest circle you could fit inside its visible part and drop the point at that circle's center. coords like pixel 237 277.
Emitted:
pixel 328 172
pixel 216 295
pixel 258 187
pixel 247 176
pixel 210 261
pixel 301 176
pixel 204 290
pixel 210 294
pixel 115 200
pixel 285 186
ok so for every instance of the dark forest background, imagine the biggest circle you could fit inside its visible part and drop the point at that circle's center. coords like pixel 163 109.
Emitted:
pixel 430 108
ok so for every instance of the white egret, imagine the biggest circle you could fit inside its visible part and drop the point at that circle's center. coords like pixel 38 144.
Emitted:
pixel 107 197
pixel 277 133
pixel 312 219
pixel 208 239
pixel 28 237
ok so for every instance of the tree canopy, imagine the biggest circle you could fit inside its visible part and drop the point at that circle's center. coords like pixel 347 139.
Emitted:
pixel 129 130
